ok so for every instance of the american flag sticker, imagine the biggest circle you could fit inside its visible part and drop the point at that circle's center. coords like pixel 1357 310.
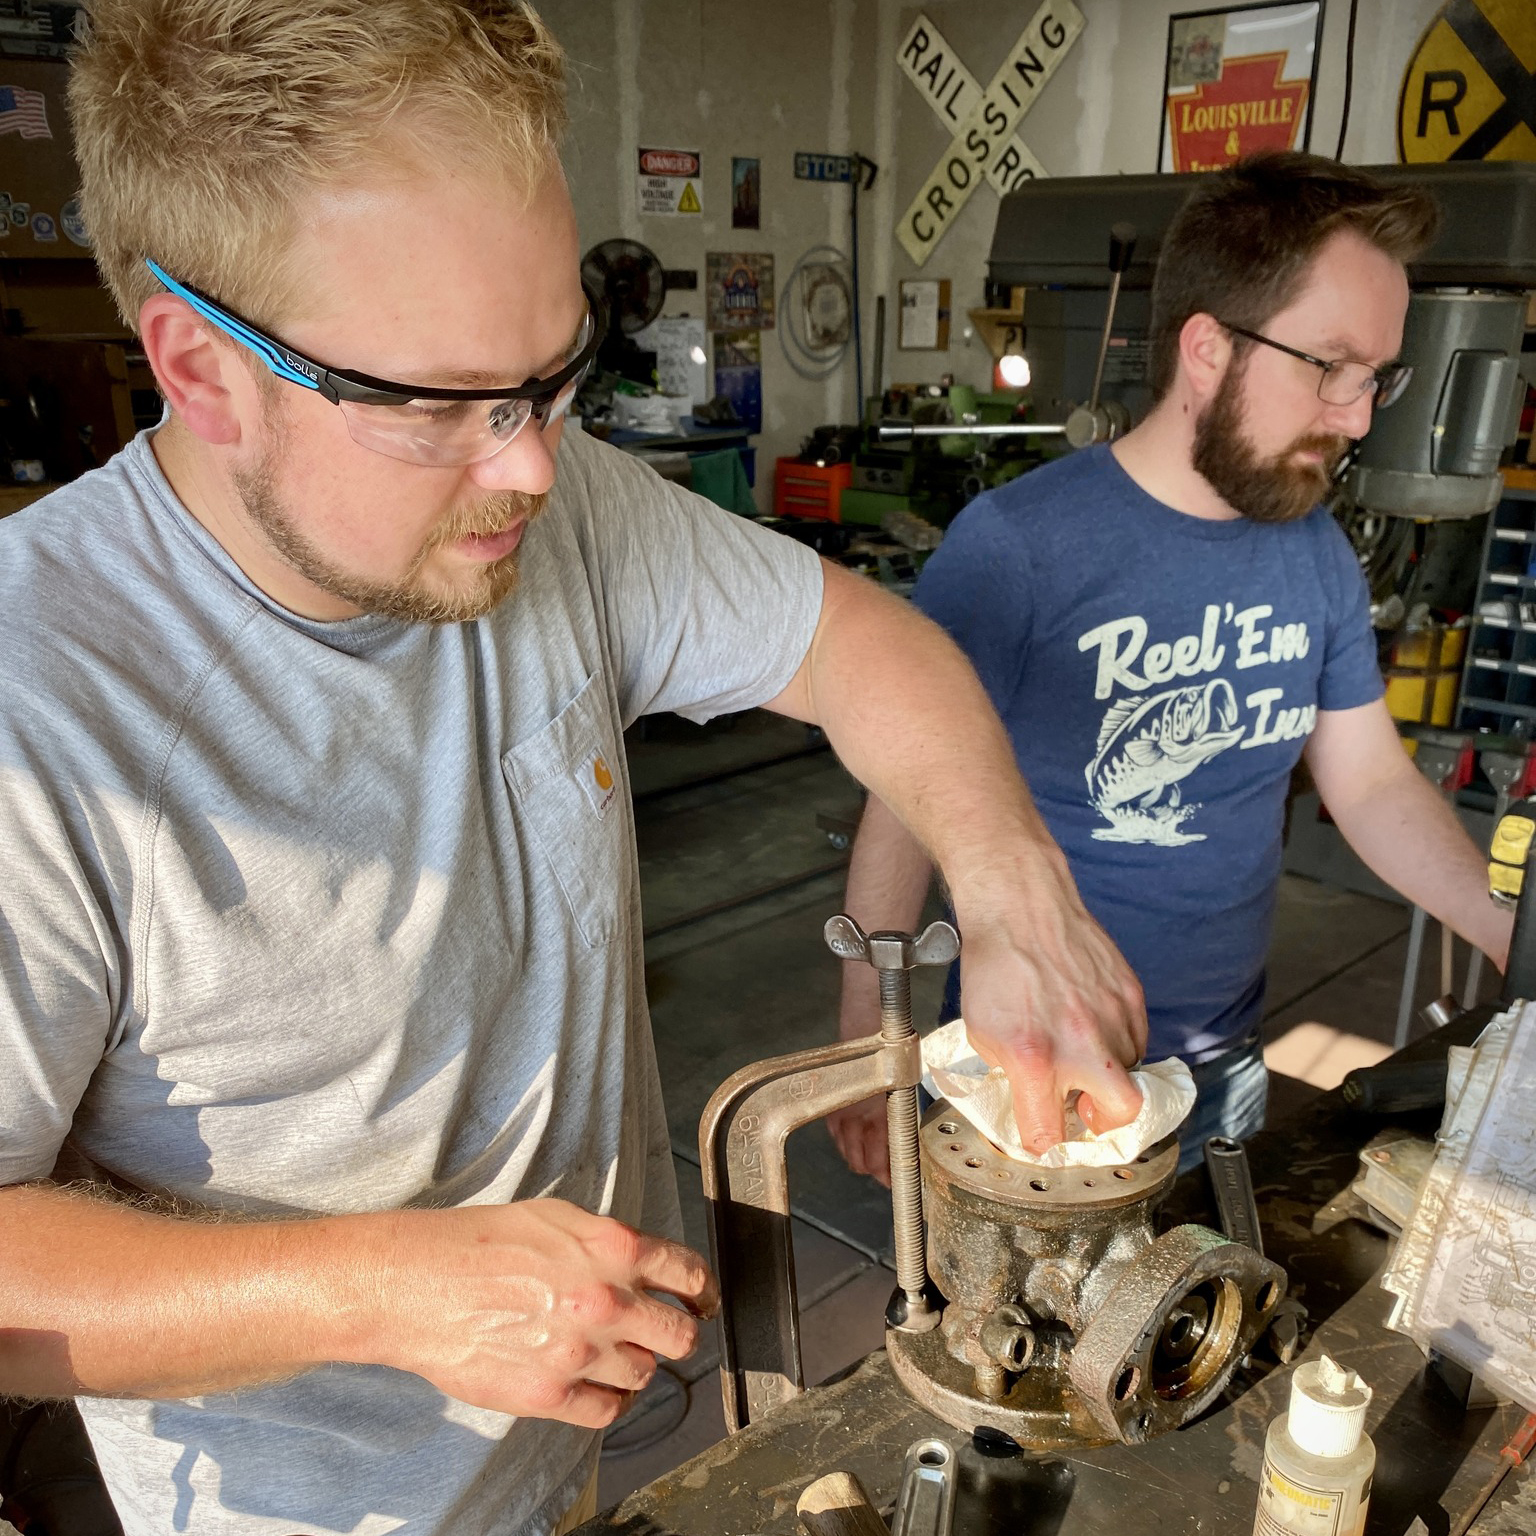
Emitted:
pixel 24 112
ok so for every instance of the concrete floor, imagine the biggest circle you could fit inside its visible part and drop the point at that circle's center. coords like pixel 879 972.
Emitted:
pixel 736 971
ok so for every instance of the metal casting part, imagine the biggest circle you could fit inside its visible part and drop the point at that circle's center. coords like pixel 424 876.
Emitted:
pixel 746 1191
pixel 1024 1256
pixel 1043 1270
pixel 1166 1339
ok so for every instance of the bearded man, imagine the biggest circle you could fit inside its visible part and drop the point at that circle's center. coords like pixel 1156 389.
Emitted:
pixel 1168 623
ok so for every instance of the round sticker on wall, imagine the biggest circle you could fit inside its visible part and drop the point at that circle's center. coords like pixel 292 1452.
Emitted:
pixel 20 213
pixel 44 228
pixel 72 221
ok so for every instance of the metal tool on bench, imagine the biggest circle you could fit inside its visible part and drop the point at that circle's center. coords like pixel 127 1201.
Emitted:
pixel 925 1503
pixel 1037 1301
pixel 837 1504
pixel 1237 1208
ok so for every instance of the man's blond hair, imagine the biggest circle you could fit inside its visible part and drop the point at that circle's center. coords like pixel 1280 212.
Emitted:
pixel 201 125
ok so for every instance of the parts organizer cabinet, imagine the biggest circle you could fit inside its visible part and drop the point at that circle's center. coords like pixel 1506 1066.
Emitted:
pixel 1498 690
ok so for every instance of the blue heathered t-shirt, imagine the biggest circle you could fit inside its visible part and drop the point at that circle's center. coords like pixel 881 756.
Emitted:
pixel 1159 675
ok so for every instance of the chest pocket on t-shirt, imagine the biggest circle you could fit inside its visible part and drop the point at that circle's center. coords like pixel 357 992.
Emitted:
pixel 567 786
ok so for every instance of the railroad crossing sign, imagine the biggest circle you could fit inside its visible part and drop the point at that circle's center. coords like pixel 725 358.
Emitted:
pixel 1470 89
pixel 984 146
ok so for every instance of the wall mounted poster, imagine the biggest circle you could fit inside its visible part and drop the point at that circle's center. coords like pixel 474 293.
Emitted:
pixel 1238 80
pixel 739 293
pixel 739 375
pixel 746 192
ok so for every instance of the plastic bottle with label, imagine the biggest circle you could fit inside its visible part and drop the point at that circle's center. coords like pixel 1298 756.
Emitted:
pixel 1318 1460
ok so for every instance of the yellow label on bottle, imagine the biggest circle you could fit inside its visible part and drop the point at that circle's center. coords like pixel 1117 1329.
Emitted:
pixel 1288 1508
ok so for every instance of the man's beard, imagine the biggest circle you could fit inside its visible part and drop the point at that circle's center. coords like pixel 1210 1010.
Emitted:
pixel 1273 490
pixel 407 599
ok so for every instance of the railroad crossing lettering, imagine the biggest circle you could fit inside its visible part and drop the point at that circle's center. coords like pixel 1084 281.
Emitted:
pixel 1469 92
pixel 984 130
pixel 952 91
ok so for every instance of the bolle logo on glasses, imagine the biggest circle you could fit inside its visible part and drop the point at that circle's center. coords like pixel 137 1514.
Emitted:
pixel 300 366
pixel 597 782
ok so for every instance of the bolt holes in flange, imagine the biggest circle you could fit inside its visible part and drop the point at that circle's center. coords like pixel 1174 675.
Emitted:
pixel 1269 1294
pixel 1130 1379
pixel 948 1128
pixel 1040 1184
pixel 1124 1173
pixel 973 1162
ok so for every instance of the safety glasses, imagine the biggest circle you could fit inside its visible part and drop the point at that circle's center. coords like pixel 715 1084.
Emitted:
pixel 419 424
pixel 1343 382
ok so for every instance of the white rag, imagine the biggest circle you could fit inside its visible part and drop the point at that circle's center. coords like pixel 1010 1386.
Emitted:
pixel 981 1095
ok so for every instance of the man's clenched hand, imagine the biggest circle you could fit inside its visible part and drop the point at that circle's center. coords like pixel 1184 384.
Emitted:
pixel 538 1309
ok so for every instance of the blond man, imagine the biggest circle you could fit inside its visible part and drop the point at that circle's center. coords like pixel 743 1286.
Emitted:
pixel 319 900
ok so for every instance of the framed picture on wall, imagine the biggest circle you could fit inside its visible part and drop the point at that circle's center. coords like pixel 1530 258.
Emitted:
pixel 923 320
pixel 1236 80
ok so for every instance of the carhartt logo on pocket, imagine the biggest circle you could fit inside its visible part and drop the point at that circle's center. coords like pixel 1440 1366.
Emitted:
pixel 597 780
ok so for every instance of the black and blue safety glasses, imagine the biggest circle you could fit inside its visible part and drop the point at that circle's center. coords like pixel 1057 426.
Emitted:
pixel 418 423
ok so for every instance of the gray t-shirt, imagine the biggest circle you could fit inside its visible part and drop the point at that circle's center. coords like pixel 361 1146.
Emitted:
pixel 305 917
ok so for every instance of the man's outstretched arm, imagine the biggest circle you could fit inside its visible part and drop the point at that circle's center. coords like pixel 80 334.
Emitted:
pixel 1047 996
pixel 536 1308
pixel 1402 827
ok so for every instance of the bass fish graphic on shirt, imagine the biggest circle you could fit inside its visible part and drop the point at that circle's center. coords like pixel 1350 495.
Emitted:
pixel 1146 747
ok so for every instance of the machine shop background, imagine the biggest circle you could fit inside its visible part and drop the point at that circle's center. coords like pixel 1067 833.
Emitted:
pixel 803 75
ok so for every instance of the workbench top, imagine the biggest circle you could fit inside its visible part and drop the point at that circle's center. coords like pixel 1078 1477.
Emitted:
pixel 1432 1459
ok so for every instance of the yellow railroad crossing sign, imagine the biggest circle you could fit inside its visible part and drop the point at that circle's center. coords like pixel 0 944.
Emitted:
pixel 1470 89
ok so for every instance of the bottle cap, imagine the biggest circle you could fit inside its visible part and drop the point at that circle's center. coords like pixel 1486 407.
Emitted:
pixel 1328 1406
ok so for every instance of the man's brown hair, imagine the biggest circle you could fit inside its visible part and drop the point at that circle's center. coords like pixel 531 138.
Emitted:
pixel 202 125
pixel 1240 247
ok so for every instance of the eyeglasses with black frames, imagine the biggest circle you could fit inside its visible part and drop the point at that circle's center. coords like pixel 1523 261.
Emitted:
pixel 1343 382
pixel 417 423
